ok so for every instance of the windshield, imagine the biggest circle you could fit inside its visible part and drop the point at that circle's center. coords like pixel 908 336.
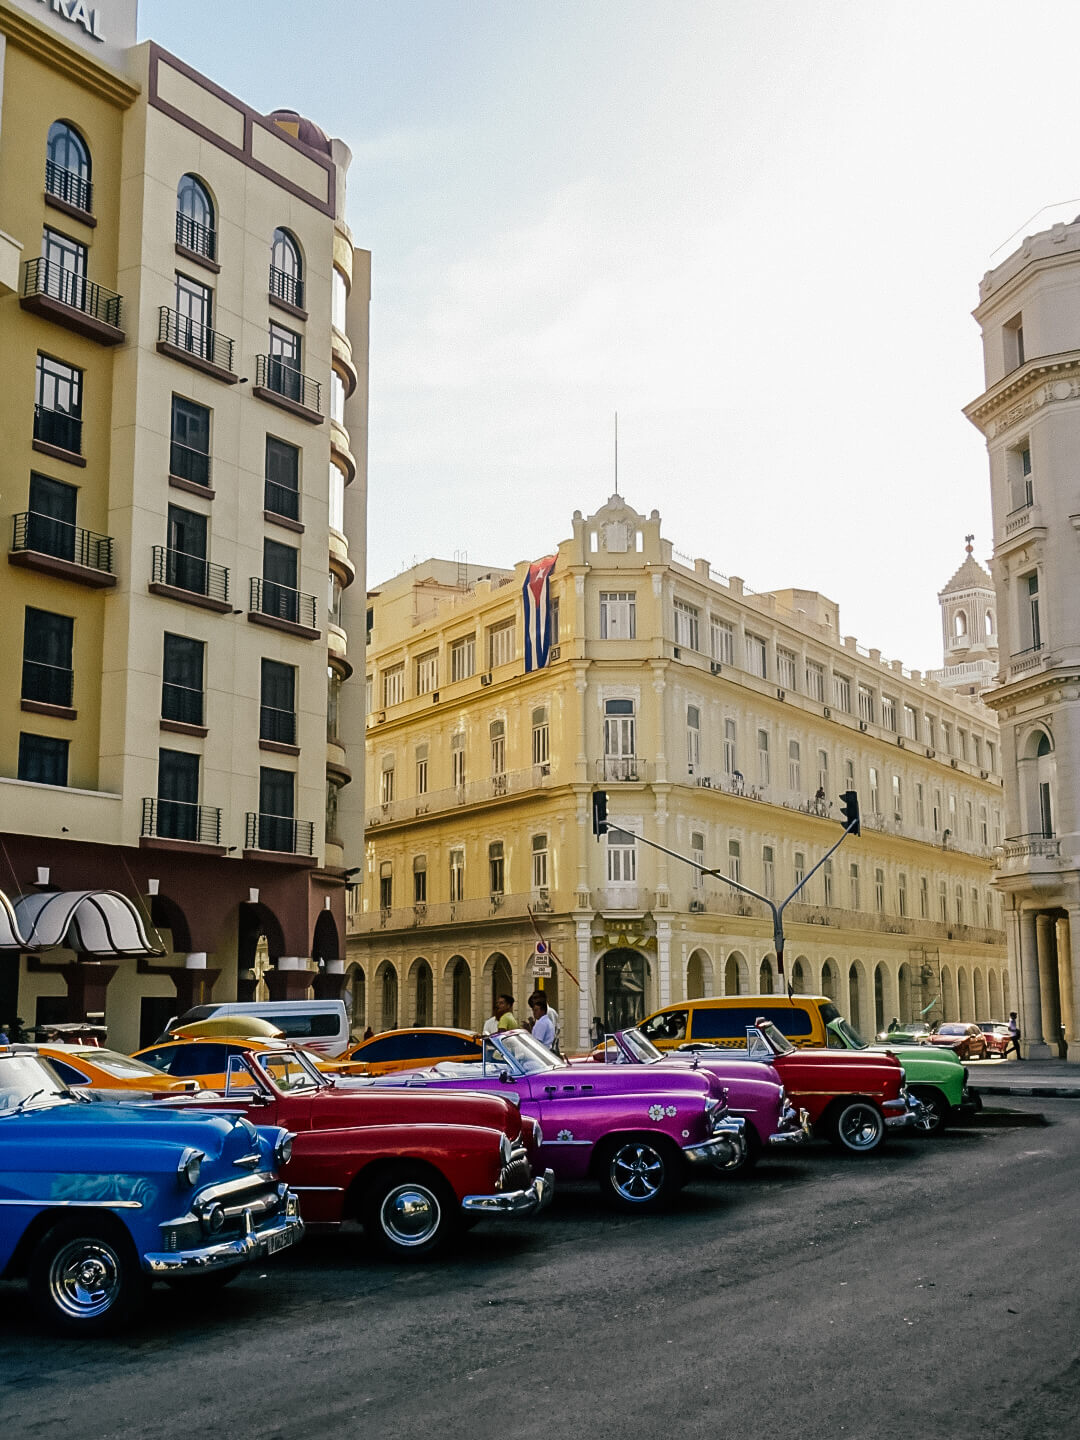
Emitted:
pixel 290 1071
pixel 952 1030
pixel 26 1081
pixel 777 1043
pixel 844 1036
pixel 643 1051
pixel 123 1067
pixel 525 1053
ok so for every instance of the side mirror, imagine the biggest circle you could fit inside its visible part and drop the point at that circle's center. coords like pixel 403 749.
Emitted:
pixel 505 1078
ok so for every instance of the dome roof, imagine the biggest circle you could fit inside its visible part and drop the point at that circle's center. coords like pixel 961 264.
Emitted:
pixel 302 129
pixel 970 576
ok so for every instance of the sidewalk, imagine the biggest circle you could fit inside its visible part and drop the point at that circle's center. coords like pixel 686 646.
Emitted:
pixel 1048 1078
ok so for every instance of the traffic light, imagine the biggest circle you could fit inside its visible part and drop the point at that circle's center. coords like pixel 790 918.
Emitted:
pixel 849 812
pixel 599 812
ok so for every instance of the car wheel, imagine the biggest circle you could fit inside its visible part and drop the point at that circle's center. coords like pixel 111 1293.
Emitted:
pixel 751 1154
pixel 85 1277
pixel 858 1127
pixel 642 1172
pixel 409 1213
pixel 964 1052
pixel 937 1107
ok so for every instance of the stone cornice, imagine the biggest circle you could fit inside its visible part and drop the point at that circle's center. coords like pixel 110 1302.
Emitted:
pixel 1023 391
pixel 36 40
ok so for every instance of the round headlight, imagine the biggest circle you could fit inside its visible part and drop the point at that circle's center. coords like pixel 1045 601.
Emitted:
pixel 283 1149
pixel 190 1166
pixel 214 1218
pixel 506 1150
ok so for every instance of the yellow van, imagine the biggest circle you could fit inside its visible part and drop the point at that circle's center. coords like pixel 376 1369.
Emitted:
pixel 723 1020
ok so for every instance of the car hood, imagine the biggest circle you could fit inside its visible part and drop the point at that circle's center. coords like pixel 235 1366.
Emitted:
pixel 366 1102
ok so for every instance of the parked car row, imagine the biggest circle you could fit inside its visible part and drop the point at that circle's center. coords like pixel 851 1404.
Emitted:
pixel 214 1147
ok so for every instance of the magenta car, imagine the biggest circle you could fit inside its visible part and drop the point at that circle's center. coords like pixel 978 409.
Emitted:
pixel 637 1132
pixel 758 1096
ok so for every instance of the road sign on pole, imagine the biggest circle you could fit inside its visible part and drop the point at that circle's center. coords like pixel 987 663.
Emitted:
pixel 541 961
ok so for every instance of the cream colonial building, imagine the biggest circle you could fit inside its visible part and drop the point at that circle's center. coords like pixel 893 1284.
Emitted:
pixel 723 724
pixel 183 340
pixel 1029 314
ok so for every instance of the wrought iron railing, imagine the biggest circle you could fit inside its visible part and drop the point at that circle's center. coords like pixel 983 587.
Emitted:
pixel 59 428
pixel 47 277
pixel 47 684
pixel 279 832
pixel 49 536
pixel 284 286
pixel 182 703
pixel 199 340
pixel 187 463
pixel 190 572
pixel 272 372
pixel 277 725
pixel 282 603
pixel 621 767
pixel 199 239
pixel 281 500
pixel 69 186
pixel 180 820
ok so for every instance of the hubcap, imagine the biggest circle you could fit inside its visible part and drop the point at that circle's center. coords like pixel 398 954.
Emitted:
pixel 85 1278
pixel 637 1172
pixel 860 1128
pixel 410 1215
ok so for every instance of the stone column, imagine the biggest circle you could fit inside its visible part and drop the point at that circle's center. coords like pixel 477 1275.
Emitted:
pixel 87 982
pixel 1069 960
pixel 1045 943
pixel 588 1001
pixel 663 963
pixel 328 983
pixel 290 980
pixel 1029 1000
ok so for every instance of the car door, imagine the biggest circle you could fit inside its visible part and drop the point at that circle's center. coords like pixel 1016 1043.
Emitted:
pixel 572 1117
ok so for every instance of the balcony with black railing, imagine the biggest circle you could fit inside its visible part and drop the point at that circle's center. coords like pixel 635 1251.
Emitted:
pixel 277 726
pixel 287 288
pixel 279 832
pixel 197 240
pixel 70 188
pixel 181 704
pixel 45 684
pixel 41 542
pixel 281 500
pixel 190 465
pixel 283 608
pixel 191 578
pixel 57 293
pixel 185 339
pixel 283 384
pixel 179 820
pixel 59 430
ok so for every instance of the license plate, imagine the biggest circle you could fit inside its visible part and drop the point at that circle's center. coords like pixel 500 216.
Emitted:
pixel 277 1242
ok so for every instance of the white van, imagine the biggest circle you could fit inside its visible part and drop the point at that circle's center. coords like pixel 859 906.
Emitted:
pixel 320 1025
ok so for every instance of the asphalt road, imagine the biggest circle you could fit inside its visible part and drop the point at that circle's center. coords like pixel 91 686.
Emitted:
pixel 928 1292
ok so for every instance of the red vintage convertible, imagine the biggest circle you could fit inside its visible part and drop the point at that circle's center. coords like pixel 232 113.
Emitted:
pixel 414 1167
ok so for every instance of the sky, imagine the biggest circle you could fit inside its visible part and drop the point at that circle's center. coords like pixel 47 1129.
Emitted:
pixel 755 231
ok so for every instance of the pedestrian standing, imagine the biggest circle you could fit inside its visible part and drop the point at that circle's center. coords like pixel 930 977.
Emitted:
pixel 504 1012
pixel 543 1027
pixel 1013 1041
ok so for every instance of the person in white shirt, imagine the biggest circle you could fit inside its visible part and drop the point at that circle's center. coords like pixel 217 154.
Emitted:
pixel 543 1026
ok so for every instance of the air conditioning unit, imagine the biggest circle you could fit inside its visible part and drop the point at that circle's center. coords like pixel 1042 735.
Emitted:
pixel 955 764
pixel 543 900
pixel 486 679
pixel 704 782
pixel 380 717
pixel 827 712
pixel 864 725
pixel 780 694
pixel 715 667
pixel 984 774
pixel 900 741
pixel 676 652
pixel 555 653
pixel 435 697
pixel 545 770
pixel 697 907
pixel 930 753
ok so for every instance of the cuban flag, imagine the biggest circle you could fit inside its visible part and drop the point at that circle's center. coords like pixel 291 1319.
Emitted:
pixel 536 600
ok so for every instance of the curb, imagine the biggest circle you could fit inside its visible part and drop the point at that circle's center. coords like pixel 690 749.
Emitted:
pixel 1006 1120
pixel 1048 1092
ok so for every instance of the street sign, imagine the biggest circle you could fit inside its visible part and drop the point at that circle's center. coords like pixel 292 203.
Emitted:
pixel 541 963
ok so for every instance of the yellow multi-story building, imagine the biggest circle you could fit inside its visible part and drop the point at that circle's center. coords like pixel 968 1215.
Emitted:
pixel 183 337
pixel 722 724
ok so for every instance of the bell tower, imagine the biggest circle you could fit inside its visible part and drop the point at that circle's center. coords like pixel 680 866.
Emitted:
pixel 969 627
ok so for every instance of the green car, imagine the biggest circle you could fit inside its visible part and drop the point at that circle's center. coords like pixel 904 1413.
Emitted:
pixel 936 1077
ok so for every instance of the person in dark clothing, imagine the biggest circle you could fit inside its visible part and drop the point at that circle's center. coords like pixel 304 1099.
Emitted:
pixel 1013 1041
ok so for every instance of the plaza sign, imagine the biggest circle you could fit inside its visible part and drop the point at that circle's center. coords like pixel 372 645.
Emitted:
pixel 76 12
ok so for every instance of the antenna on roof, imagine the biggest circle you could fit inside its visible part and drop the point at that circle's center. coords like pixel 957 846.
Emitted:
pixel 462 558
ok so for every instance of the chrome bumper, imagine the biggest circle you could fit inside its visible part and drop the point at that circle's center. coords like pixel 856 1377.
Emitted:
pixel 725 1146
pixel 905 1112
pixel 795 1128
pixel 257 1243
pixel 514 1202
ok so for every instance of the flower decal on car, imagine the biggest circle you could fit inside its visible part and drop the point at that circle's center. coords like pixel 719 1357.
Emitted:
pixel 565 1135
pixel 656 1112
pixel 672 1110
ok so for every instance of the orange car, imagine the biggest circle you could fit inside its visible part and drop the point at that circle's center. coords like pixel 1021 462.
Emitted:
pixel 97 1069
pixel 206 1058
pixel 412 1049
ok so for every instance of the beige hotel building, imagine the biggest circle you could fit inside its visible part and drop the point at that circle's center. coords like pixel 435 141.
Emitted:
pixel 723 724
pixel 183 340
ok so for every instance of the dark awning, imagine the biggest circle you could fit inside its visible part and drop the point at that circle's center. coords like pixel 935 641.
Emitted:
pixel 91 922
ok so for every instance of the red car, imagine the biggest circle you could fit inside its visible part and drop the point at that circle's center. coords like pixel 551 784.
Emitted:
pixel 997 1035
pixel 966 1039
pixel 851 1097
pixel 414 1167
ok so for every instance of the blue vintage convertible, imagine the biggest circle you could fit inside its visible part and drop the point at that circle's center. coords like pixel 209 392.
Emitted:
pixel 98 1199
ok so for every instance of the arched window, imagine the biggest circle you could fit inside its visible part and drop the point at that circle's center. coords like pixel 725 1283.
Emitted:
pixel 988 620
pixel 960 623
pixel 67 166
pixel 195 217
pixel 286 269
